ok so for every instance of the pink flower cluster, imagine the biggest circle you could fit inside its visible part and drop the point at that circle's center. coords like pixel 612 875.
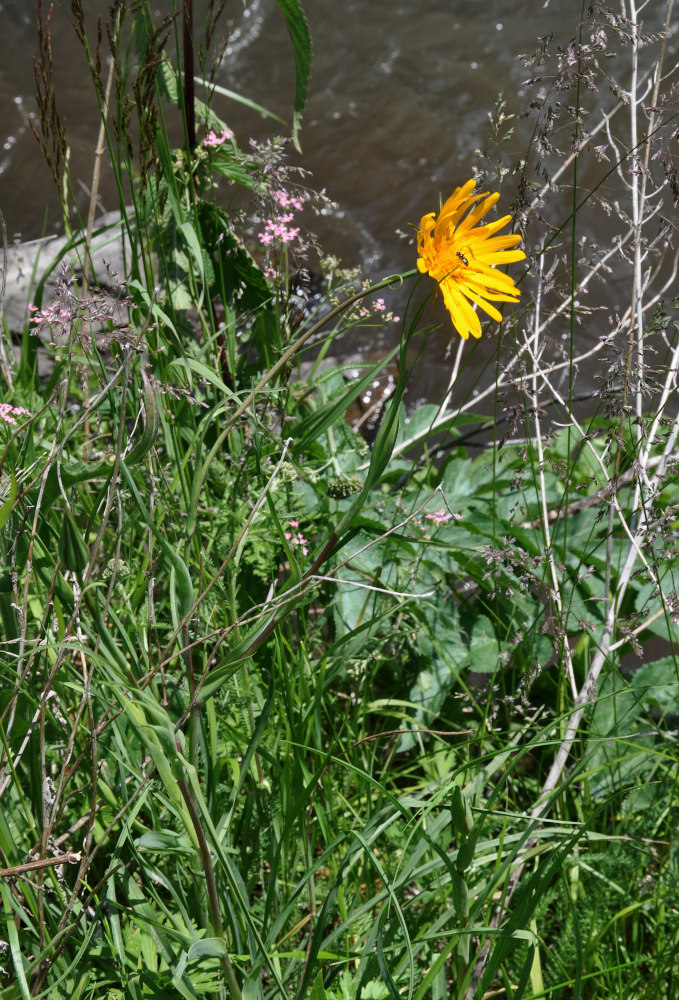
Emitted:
pixel 212 139
pixel 54 315
pixel 440 517
pixel 378 307
pixel 287 200
pixel 10 413
pixel 279 227
pixel 296 538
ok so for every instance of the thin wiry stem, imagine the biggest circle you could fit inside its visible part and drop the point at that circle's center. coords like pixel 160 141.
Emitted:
pixel 555 593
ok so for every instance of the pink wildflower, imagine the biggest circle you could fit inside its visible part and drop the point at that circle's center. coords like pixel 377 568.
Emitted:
pixel 213 139
pixel 53 315
pixel 380 306
pixel 440 517
pixel 286 200
pixel 10 413
pixel 278 228
pixel 296 538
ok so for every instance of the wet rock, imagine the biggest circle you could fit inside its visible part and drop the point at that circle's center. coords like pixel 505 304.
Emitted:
pixel 27 264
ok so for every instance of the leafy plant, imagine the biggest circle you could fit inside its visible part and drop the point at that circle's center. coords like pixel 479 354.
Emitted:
pixel 288 714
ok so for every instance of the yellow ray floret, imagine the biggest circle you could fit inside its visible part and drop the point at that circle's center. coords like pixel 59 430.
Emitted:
pixel 462 256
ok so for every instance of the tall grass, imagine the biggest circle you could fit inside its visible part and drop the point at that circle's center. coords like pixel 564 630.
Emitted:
pixel 286 714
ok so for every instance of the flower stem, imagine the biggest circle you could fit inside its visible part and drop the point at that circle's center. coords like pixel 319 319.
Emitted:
pixel 211 884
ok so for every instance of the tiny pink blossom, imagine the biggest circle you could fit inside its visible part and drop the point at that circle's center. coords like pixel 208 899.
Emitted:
pixel 286 200
pixel 379 305
pixel 51 316
pixel 278 228
pixel 10 413
pixel 440 517
pixel 297 538
pixel 213 139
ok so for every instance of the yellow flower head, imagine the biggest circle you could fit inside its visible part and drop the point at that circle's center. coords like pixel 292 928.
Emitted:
pixel 462 258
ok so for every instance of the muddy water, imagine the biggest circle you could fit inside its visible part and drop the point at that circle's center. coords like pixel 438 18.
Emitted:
pixel 398 104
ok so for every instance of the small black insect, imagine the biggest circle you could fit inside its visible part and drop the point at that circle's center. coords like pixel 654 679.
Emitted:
pixel 463 258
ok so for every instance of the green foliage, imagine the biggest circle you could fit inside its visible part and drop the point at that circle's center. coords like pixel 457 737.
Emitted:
pixel 287 715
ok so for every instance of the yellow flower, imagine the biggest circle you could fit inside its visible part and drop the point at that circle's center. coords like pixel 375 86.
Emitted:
pixel 462 258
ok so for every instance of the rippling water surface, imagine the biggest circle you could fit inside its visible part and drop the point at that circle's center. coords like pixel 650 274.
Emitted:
pixel 398 104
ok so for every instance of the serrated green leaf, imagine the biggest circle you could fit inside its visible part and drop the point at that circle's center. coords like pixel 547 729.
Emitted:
pixel 317 991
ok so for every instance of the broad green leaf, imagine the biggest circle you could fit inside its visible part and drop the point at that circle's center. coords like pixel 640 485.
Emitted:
pixel 165 842
pixel 207 948
pixel 657 685
pixel 484 648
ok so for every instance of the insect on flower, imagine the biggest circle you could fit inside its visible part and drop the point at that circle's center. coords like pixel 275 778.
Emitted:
pixel 452 239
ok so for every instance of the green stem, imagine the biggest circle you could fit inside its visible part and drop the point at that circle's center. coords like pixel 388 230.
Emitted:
pixel 211 884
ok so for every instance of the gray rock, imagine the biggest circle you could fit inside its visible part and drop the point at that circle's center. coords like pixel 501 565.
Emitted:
pixel 27 263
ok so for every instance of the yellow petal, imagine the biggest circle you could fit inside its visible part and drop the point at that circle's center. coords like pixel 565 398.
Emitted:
pixel 485 305
pixel 463 257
